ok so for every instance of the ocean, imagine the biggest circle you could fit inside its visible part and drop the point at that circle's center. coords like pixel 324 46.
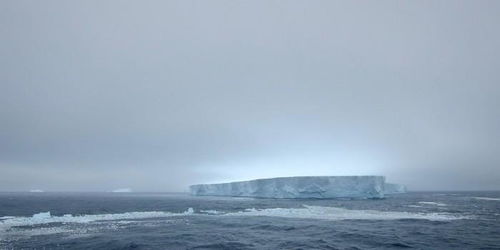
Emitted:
pixel 420 220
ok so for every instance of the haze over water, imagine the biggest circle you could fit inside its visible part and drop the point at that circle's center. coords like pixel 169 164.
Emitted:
pixel 158 95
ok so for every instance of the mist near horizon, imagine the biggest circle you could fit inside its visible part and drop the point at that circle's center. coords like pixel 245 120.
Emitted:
pixel 159 95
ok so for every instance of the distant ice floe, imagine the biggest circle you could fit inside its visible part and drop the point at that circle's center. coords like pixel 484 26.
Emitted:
pixel 122 190
pixel 335 213
pixel 439 204
pixel 486 198
pixel 46 218
pixel 306 212
pixel 36 191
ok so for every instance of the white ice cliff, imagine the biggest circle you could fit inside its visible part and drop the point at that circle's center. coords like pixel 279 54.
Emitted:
pixel 298 187
pixel 391 188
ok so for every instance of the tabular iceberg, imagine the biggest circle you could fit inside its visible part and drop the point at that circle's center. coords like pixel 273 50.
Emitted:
pixel 391 188
pixel 298 187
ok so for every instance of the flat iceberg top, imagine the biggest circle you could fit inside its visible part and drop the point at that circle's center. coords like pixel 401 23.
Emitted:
pixel 305 177
pixel 298 187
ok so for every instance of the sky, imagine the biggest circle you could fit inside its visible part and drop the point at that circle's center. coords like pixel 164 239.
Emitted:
pixel 158 95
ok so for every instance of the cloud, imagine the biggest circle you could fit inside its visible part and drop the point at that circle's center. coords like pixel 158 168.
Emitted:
pixel 159 95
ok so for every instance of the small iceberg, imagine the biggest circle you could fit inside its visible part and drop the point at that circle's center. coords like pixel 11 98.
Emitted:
pixel 122 190
pixel 41 216
pixel 36 191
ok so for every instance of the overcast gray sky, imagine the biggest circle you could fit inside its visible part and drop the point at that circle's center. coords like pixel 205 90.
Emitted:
pixel 157 95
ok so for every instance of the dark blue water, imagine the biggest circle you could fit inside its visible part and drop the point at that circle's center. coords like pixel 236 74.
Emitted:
pixel 431 220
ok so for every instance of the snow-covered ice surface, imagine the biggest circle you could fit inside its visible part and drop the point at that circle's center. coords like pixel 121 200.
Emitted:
pixel 336 213
pixel 44 223
pixel 298 187
pixel 46 218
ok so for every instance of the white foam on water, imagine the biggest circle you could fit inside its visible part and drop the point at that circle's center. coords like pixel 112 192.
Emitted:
pixel 486 198
pixel 432 203
pixel 6 217
pixel 214 212
pixel 335 213
pixel 19 233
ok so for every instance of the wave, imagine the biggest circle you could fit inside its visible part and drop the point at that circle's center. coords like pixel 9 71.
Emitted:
pixel 432 203
pixel 414 206
pixel 335 213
